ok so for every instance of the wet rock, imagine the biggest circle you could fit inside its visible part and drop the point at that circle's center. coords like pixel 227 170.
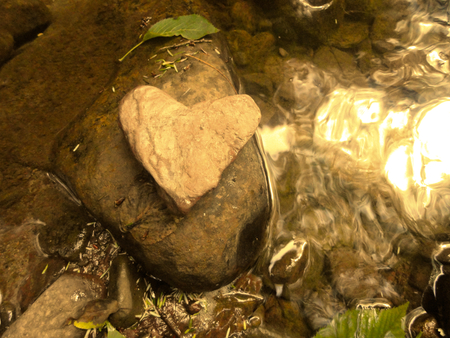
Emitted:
pixel 283 52
pixel 371 303
pixel 284 29
pixel 97 311
pixel 7 316
pixel 334 60
pixel 243 15
pixel 48 316
pixel 245 47
pixel 186 149
pixel 21 264
pixel 384 28
pixel 40 275
pixel 285 318
pixel 24 17
pixel 349 34
pixel 232 312
pixel 321 306
pixel 266 107
pixel 248 283
pixel 322 22
pixel 436 297
pixel 382 46
pixel 257 83
pixel 355 279
pixel 222 234
pixel 442 255
pixel 6 45
pixel 288 263
pixel 273 69
pixel 128 288
pixel 420 274
pixel 68 234
pixel 365 59
pixel 419 321
pixel 295 267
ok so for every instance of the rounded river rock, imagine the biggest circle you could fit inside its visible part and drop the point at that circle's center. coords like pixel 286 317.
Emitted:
pixel 222 234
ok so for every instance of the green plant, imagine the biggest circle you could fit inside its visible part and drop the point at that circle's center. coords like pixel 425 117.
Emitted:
pixel 191 27
pixel 367 323
pixel 89 326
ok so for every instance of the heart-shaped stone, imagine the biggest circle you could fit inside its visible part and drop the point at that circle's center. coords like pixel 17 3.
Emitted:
pixel 186 149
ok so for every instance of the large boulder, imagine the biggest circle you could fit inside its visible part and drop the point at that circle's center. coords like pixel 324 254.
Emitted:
pixel 222 235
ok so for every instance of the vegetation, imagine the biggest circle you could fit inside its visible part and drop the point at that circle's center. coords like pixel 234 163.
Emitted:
pixel 191 27
pixel 367 323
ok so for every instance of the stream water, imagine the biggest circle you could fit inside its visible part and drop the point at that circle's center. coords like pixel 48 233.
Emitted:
pixel 364 168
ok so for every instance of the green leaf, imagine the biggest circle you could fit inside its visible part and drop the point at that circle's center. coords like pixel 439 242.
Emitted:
pixel 112 332
pixel 367 323
pixel 341 327
pixel 88 325
pixel 191 27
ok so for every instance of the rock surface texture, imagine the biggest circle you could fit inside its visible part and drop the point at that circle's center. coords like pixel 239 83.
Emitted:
pixel 186 149
pixel 48 316
pixel 21 21
pixel 223 233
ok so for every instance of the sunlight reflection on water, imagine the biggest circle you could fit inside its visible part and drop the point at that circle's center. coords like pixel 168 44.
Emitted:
pixel 357 166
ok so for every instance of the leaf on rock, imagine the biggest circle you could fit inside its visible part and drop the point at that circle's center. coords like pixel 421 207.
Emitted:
pixel 95 313
pixel 88 325
pixel 112 332
pixel 367 323
pixel 191 27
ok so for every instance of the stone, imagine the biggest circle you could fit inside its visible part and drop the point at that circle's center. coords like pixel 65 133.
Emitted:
pixel 283 52
pixel 128 288
pixel 6 46
pixel 349 34
pixel 355 279
pixel 21 18
pixel 248 50
pixel 285 317
pixel 244 16
pixel 333 60
pixel 65 299
pixel 385 23
pixel 419 321
pixel 258 83
pixel 436 301
pixel 22 263
pixel 7 315
pixel 36 282
pixel 221 236
pixel 186 149
pixel 289 263
pixel 97 311
pixel 68 234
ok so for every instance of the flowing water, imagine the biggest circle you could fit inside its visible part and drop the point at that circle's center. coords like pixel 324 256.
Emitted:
pixel 364 167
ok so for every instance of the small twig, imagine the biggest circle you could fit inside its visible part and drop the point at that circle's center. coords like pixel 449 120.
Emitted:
pixel 170 323
pixel 189 42
pixel 206 63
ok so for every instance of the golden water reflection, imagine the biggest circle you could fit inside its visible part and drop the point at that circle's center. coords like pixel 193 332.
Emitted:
pixel 410 147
